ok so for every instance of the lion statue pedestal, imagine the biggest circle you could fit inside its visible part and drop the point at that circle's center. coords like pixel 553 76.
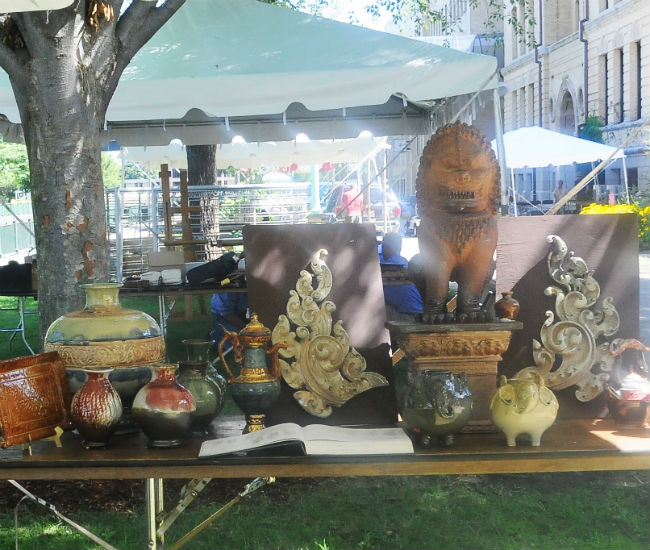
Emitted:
pixel 473 349
pixel 458 194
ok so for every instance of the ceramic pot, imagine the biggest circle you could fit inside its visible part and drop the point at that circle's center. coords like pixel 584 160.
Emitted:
pixel 506 307
pixel 96 408
pixel 163 408
pixel 257 387
pixel 523 406
pixel 435 404
pixel 208 396
pixel 106 334
pixel 201 350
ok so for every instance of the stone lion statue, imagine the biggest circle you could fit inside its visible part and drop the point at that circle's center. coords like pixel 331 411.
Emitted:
pixel 458 197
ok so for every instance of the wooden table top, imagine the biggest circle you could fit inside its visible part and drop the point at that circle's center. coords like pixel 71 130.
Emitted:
pixel 569 445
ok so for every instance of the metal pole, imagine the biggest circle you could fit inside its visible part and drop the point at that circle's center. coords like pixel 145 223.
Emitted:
pixel 501 151
pixel 627 187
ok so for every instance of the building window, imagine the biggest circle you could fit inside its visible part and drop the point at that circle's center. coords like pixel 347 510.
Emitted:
pixel 621 95
pixel 637 80
pixel 567 115
pixel 530 119
pixel 603 83
pixel 603 5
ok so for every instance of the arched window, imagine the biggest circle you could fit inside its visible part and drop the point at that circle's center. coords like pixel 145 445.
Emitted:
pixel 567 121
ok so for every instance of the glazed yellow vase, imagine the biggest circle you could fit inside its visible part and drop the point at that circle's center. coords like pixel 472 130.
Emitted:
pixel 104 334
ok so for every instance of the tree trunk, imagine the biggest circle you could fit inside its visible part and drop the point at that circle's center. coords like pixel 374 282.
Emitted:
pixel 60 115
pixel 64 66
pixel 201 164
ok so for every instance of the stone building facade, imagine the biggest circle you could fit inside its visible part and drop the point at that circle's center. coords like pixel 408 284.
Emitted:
pixel 591 59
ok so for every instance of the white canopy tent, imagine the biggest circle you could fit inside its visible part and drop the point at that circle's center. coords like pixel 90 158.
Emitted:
pixel 10 6
pixel 221 68
pixel 535 147
pixel 256 155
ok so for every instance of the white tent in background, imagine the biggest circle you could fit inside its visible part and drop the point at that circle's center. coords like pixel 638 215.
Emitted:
pixel 535 147
pixel 255 155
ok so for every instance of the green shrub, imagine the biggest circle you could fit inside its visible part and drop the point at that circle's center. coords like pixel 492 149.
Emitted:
pixel 642 212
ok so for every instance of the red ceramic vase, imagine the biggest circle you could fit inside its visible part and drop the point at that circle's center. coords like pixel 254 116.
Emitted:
pixel 163 408
pixel 96 408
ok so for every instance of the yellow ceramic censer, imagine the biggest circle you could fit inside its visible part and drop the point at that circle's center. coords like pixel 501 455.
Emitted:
pixel 256 388
pixel 523 406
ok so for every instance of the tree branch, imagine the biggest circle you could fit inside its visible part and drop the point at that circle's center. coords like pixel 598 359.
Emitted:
pixel 137 25
pixel 11 60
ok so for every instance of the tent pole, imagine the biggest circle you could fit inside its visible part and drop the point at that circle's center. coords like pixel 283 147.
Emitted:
pixel 627 187
pixel 514 191
pixel 501 151
pixel 471 99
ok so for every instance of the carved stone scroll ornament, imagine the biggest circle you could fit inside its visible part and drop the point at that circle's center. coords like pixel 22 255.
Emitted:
pixel 318 361
pixel 577 335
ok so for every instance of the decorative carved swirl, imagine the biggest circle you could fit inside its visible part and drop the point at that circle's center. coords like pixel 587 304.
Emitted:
pixel 318 361
pixel 586 361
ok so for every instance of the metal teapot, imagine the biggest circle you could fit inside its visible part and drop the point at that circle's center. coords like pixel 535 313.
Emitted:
pixel 257 387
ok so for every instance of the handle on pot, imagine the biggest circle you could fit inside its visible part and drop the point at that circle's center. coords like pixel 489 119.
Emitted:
pixel 236 346
pixel 275 362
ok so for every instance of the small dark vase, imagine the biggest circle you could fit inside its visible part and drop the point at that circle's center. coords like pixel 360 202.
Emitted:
pixel 435 404
pixel 163 408
pixel 506 307
pixel 208 395
pixel 96 408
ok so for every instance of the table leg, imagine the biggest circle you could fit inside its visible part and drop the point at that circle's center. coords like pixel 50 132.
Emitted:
pixel 155 506
pixel 21 313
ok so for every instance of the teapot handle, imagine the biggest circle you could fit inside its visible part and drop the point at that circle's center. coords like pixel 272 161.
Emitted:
pixel 228 335
pixel 275 362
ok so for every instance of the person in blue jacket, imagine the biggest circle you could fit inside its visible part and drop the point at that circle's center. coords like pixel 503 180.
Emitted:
pixel 403 301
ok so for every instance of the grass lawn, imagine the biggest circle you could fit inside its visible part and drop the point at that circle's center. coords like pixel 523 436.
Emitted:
pixel 564 511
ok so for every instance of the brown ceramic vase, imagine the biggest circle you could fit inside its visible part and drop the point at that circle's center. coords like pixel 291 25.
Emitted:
pixel 506 307
pixel 96 408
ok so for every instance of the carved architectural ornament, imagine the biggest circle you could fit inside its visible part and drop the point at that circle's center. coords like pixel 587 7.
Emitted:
pixel 116 353
pixel 577 334
pixel 455 344
pixel 318 361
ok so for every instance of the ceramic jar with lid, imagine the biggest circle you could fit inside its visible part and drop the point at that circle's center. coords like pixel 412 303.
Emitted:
pixel 435 404
pixel 105 334
pixel 257 387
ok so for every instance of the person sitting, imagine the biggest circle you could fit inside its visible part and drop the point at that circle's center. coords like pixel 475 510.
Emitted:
pixel 403 301
pixel 229 312
pixel 352 203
